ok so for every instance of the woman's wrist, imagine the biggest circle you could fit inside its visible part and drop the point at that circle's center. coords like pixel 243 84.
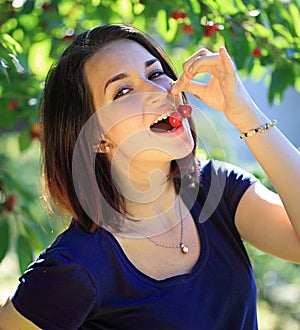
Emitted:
pixel 260 129
pixel 249 119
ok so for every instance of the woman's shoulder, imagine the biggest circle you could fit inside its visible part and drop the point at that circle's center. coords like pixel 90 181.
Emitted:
pixel 71 236
pixel 61 273
pixel 219 172
pixel 70 252
pixel 74 244
pixel 223 184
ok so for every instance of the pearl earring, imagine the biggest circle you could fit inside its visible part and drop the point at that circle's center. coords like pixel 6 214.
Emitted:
pixel 104 147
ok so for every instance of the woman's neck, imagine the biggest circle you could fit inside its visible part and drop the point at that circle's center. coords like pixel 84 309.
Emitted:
pixel 152 218
pixel 153 203
pixel 143 183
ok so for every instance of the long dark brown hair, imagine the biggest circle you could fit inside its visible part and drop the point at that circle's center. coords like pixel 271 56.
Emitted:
pixel 66 107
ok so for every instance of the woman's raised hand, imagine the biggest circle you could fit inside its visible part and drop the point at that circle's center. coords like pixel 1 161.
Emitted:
pixel 224 92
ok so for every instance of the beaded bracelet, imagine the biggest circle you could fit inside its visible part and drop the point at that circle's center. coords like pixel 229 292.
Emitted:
pixel 259 129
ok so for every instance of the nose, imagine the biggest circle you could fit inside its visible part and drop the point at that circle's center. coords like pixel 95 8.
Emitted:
pixel 155 94
pixel 152 86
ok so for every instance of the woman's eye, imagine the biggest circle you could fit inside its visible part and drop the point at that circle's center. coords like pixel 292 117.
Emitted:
pixel 156 74
pixel 121 92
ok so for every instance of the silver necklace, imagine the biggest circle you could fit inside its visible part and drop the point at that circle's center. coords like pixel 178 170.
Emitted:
pixel 184 248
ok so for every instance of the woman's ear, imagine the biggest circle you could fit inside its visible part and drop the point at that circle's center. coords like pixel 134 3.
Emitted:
pixel 104 147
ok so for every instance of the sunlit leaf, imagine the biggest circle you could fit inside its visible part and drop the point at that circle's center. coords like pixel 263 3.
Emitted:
pixel 227 7
pixel 240 6
pixel 279 28
pixel 29 21
pixel 295 14
pixel 260 30
pixel 166 30
pixel 10 43
pixel 211 4
pixel 38 57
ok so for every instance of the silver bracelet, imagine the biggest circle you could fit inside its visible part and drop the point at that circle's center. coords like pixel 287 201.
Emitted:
pixel 259 129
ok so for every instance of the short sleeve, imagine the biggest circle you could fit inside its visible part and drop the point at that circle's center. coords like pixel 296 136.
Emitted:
pixel 55 292
pixel 224 185
pixel 238 181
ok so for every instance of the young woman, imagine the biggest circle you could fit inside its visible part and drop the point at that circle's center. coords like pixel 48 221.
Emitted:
pixel 156 236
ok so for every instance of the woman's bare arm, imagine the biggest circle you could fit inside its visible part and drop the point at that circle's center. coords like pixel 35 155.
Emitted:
pixel 11 319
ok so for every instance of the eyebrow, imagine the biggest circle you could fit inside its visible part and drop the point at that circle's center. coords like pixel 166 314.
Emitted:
pixel 125 75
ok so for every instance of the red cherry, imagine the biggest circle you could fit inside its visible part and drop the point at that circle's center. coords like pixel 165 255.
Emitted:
pixel 13 104
pixel 178 15
pixel 69 37
pixel 187 29
pixel 46 6
pixel 256 52
pixel 210 29
pixel 12 199
pixel 175 119
pixel 185 110
pixel 8 207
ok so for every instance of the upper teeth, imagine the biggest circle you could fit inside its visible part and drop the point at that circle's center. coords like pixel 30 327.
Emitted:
pixel 163 116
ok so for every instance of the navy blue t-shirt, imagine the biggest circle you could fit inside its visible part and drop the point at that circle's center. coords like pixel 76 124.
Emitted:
pixel 85 281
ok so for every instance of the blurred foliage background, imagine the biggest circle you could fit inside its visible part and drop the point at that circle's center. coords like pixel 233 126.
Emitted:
pixel 263 38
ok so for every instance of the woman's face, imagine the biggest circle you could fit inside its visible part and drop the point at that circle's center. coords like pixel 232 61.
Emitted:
pixel 131 97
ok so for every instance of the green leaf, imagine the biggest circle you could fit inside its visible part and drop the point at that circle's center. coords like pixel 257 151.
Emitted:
pixel 227 7
pixel 10 43
pixel 282 77
pixel 258 30
pixel 167 31
pixel 211 4
pixel 24 140
pixel 240 51
pixel 297 84
pixel 294 11
pixel 34 232
pixel 279 28
pixel 7 118
pixel 4 238
pixel 240 6
pixel 194 6
pixel 25 253
pixel 249 63
pixel 28 6
pixel 38 57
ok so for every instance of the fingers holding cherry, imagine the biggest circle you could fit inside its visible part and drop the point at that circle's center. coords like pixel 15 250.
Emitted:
pixel 185 110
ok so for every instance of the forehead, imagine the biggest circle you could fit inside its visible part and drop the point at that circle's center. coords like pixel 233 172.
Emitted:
pixel 117 54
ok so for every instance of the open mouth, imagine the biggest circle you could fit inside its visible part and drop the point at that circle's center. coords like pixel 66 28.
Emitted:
pixel 162 123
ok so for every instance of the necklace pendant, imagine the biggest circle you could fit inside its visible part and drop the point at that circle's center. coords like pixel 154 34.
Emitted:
pixel 184 248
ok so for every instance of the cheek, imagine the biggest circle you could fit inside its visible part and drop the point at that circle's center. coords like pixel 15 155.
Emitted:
pixel 121 117
pixel 120 132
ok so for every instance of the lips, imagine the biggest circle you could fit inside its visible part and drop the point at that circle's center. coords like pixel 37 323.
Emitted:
pixel 162 123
